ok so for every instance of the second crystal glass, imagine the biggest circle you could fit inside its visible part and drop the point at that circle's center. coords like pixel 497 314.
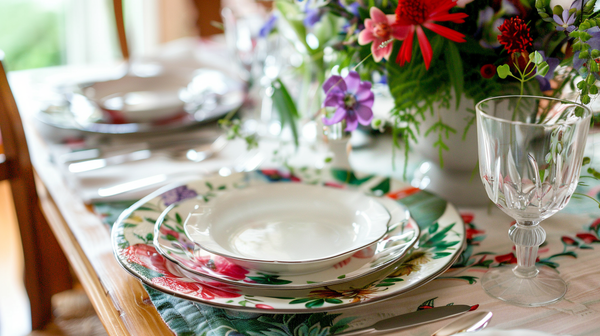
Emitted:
pixel 530 156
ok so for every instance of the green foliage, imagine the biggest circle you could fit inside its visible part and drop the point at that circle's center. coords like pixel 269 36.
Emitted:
pixel 285 106
pixel 30 35
pixel 268 279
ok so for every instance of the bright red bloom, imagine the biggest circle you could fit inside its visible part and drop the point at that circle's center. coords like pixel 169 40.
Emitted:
pixel 488 71
pixel 413 15
pixel 569 241
pixel 467 217
pixel 588 238
pixel 514 35
pixel 471 233
pixel 508 258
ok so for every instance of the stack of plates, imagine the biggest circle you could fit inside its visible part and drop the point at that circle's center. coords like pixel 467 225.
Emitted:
pixel 166 99
pixel 255 240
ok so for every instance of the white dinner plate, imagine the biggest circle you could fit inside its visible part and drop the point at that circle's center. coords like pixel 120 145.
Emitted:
pixel 285 228
pixel 440 243
pixel 361 268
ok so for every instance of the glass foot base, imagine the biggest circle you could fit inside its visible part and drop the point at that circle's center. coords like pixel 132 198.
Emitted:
pixel 546 288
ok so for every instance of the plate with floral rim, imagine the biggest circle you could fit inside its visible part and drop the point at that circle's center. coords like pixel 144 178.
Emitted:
pixel 361 268
pixel 441 241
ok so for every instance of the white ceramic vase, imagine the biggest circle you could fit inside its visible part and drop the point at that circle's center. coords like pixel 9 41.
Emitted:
pixel 457 180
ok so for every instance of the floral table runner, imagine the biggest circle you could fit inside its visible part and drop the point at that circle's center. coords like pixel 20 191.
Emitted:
pixel 571 248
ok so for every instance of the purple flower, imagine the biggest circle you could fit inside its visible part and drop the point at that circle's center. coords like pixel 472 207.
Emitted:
pixel 178 194
pixel 577 4
pixel 352 98
pixel 565 22
pixel 353 8
pixel 268 27
pixel 313 15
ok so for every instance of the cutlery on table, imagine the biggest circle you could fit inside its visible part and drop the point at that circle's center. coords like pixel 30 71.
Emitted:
pixel 246 162
pixel 413 319
pixel 143 151
pixel 469 323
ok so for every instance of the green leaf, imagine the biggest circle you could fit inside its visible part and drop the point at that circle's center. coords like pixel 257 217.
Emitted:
pixel 300 300
pixel 542 69
pixel 269 279
pixel 382 188
pixel 503 71
pixel 348 177
pixel 285 106
pixel 441 255
pixel 315 304
pixel 334 301
pixel 537 57
pixel 455 70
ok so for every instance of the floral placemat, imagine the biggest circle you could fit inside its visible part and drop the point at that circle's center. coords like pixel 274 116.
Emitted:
pixel 567 246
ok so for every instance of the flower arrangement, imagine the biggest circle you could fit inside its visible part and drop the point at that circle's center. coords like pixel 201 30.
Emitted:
pixel 430 53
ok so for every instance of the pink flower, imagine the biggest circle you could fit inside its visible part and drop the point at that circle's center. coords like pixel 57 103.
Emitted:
pixel 263 306
pixel 220 265
pixel 146 256
pixel 379 29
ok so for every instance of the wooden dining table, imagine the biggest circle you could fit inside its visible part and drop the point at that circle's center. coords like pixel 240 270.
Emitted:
pixel 119 299
pixel 125 308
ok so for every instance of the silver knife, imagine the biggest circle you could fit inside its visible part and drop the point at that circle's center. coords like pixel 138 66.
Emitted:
pixel 413 319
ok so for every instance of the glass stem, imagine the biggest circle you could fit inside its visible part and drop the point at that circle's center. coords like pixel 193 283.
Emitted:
pixel 527 236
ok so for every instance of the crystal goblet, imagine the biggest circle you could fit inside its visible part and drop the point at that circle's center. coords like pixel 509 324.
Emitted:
pixel 530 156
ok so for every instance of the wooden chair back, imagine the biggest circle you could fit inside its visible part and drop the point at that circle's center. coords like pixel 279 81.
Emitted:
pixel 207 12
pixel 120 21
pixel 46 268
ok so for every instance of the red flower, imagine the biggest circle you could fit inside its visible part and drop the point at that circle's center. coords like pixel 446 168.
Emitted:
pixel 413 15
pixel 219 265
pixel 189 287
pixel 595 224
pixel 399 194
pixel 146 255
pixel 263 306
pixel 588 238
pixel 514 35
pixel 467 217
pixel 167 232
pixel 569 241
pixel 488 71
pixel 508 258
pixel 473 232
